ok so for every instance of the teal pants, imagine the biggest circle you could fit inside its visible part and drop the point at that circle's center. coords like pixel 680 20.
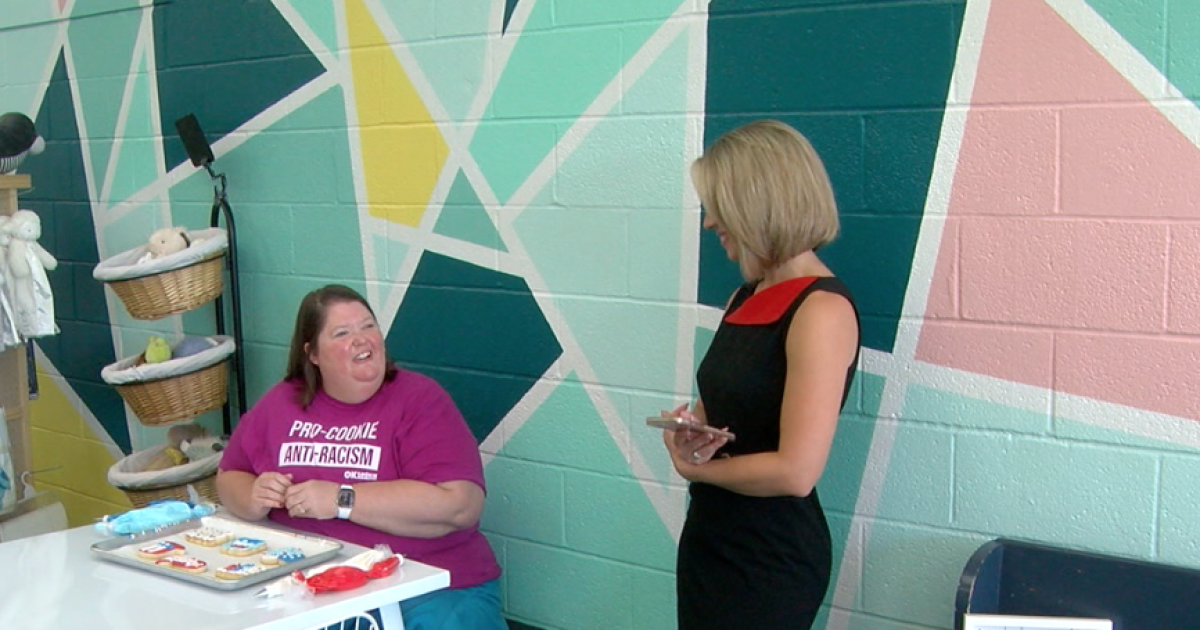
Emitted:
pixel 471 608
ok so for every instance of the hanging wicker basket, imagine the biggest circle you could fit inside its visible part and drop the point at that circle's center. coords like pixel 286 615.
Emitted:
pixel 172 284
pixel 144 487
pixel 178 389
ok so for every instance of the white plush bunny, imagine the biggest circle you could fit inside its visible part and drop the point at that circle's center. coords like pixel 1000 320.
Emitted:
pixel 5 239
pixel 8 326
pixel 28 262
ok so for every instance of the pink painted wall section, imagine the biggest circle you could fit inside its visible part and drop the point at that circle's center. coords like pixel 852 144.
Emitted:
pixel 1064 274
pixel 1030 56
pixel 1183 293
pixel 1022 355
pixel 1127 161
pixel 1063 253
pixel 1011 166
pixel 942 302
pixel 1155 373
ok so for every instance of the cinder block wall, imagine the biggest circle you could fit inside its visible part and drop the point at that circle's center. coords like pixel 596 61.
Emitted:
pixel 507 183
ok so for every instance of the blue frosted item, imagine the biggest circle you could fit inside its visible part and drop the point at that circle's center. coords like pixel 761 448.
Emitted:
pixel 154 516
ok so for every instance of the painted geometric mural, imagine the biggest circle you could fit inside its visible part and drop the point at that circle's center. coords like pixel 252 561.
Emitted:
pixel 62 200
pixel 507 182
pixel 874 117
pixel 1028 183
pixel 230 68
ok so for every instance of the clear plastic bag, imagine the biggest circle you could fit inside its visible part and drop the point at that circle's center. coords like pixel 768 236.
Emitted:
pixel 8 478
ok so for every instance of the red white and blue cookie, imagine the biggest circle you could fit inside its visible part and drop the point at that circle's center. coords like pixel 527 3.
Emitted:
pixel 243 546
pixel 186 564
pixel 208 536
pixel 160 549
pixel 239 570
pixel 282 555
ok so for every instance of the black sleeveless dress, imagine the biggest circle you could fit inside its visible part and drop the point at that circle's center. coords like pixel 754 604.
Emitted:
pixel 753 562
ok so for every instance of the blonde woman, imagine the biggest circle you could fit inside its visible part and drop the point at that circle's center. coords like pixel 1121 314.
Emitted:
pixel 755 549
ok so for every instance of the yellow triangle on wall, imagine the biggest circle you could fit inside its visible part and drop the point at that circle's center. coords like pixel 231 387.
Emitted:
pixel 69 458
pixel 402 149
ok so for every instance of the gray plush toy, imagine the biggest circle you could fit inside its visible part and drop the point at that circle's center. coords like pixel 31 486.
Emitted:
pixel 202 447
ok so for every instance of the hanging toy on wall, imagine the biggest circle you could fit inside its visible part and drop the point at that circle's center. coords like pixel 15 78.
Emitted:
pixel 18 140
pixel 28 262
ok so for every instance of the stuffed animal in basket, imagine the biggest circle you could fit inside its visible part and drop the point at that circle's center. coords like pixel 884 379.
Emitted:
pixel 173 454
pixel 168 241
pixel 201 448
pixel 28 262
pixel 189 346
pixel 157 350
pixel 18 139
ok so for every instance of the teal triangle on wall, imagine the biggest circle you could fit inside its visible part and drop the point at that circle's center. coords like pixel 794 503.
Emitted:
pixel 37 46
pixel 389 255
pixel 102 47
pixel 566 430
pixel 137 161
pixel 318 15
pixel 509 6
pixel 603 500
pixel 84 8
pixel 464 217
pixel 486 347
pixel 517 138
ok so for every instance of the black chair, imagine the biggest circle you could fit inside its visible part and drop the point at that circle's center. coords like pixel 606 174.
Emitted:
pixel 1012 577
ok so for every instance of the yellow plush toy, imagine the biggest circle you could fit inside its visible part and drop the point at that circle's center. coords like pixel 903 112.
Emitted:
pixel 157 350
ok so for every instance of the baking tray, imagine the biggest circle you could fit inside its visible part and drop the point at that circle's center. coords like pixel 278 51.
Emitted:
pixel 123 550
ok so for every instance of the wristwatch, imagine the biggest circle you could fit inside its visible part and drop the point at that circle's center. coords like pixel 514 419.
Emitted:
pixel 345 501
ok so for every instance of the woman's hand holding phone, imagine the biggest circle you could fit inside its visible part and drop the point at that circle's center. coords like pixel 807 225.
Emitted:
pixel 689 440
pixel 684 424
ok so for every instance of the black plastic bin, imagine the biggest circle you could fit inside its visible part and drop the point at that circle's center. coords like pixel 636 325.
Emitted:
pixel 1012 577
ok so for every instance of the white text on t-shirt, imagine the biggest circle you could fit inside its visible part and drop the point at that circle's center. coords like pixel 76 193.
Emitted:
pixel 331 454
pixel 364 431
pixel 328 455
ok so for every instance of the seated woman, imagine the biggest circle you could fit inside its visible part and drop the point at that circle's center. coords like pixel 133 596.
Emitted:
pixel 350 447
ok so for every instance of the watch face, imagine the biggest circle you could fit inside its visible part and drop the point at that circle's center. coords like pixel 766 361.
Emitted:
pixel 345 498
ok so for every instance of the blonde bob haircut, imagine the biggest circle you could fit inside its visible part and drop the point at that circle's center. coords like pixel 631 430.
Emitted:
pixel 766 185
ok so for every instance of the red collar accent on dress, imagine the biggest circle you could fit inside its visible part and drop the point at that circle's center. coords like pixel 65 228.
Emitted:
pixel 768 305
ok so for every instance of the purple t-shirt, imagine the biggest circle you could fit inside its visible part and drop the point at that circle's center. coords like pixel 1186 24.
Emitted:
pixel 410 429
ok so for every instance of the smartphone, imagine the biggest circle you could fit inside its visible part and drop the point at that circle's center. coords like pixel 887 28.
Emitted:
pixel 676 424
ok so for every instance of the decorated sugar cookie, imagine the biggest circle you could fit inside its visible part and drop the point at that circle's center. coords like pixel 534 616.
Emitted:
pixel 282 555
pixel 161 549
pixel 186 564
pixel 208 536
pixel 239 570
pixel 243 546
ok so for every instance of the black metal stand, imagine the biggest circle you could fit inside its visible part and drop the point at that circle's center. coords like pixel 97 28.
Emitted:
pixel 221 208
